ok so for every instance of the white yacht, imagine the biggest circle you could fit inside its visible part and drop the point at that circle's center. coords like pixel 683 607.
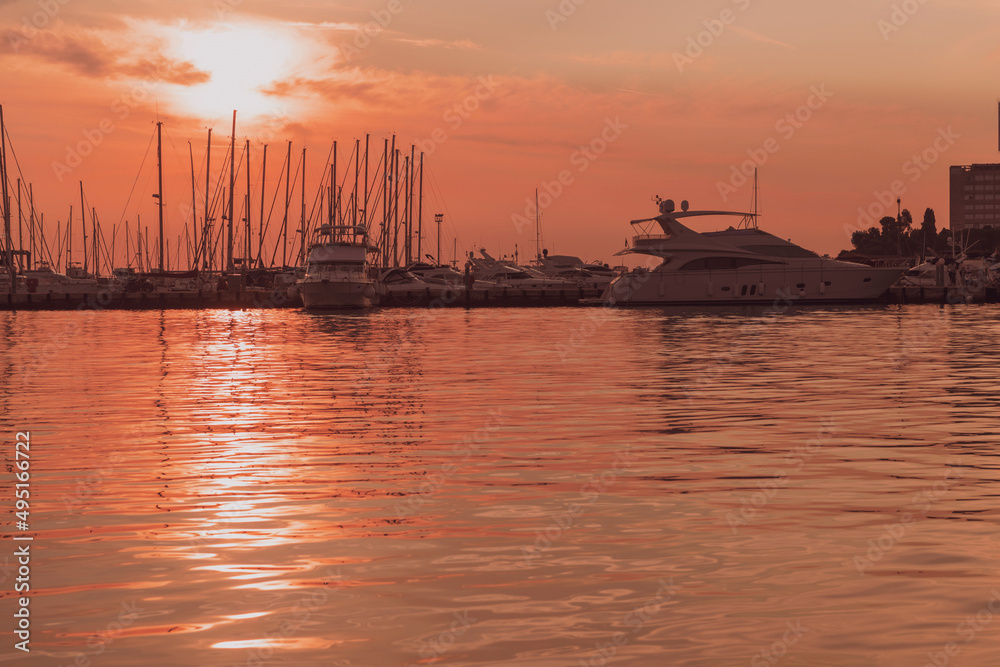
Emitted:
pixel 44 280
pixel 738 265
pixel 574 269
pixel 506 273
pixel 337 269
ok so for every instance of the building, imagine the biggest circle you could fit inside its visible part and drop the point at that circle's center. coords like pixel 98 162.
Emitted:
pixel 975 196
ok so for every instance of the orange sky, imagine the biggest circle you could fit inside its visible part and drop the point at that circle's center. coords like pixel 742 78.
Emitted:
pixel 831 100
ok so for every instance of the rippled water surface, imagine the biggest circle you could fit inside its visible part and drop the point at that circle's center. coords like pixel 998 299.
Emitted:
pixel 536 487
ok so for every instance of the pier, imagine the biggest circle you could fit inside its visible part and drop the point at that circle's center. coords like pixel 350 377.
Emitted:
pixel 456 297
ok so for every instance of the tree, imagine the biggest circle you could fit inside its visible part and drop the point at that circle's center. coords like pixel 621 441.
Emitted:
pixel 929 225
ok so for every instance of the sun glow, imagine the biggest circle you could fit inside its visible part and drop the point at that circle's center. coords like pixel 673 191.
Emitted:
pixel 242 63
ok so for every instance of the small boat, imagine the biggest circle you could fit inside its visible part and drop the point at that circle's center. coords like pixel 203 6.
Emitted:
pixel 337 269
pixel 737 265
pixel 574 269
pixel 506 273
pixel 44 280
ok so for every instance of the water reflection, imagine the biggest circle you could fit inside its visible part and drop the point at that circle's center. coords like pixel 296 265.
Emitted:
pixel 501 486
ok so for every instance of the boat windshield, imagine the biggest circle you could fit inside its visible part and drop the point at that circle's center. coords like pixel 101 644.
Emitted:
pixel 779 250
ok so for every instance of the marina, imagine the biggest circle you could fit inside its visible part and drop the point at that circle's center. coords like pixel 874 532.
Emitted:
pixel 564 334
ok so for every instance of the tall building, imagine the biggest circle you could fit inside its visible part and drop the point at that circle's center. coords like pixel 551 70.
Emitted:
pixel 975 196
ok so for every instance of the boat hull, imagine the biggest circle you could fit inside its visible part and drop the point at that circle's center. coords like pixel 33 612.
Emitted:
pixel 330 295
pixel 791 284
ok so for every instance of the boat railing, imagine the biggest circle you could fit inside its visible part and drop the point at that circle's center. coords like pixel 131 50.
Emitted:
pixel 646 238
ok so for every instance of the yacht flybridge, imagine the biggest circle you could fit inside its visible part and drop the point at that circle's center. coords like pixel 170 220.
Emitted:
pixel 337 269
pixel 738 265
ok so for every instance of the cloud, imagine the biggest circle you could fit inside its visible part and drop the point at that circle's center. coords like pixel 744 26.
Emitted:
pixel 441 43
pixel 90 54
pixel 757 37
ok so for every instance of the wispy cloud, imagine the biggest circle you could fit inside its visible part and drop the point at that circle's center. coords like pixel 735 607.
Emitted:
pixel 327 25
pixel 92 55
pixel 757 37
pixel 441 43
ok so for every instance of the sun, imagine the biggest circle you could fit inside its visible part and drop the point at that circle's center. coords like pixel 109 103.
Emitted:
pixel 242 63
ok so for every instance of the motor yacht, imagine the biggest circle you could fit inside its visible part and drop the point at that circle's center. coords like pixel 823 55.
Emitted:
pixel 337 269
pixel 741 264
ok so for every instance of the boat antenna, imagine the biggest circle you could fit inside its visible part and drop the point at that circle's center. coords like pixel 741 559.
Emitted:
pixel 750 219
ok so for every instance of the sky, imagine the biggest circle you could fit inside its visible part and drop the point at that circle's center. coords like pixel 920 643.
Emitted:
pixel 599 105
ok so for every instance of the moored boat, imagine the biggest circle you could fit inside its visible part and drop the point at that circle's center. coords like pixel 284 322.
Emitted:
pixel 337 269
pixel 740 264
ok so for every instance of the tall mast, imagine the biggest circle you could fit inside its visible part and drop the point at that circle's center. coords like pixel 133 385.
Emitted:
pixel 538 230
pixel 6 201
pixel 357 172
pixel 284 223
pixel 206 233
pixel 20 233
pixel 385 204
pixel 246 255
pixel 69 238
pixel 333 185
pixel 96 256
pixel 83 227
pixel 420 212
pixel 159 178
pixel 365 219
pixel 31 234
pixel 409 210
pixel 302 228
pixel 263 190
pixel 438 217
pixel 193 238
pixel 232 185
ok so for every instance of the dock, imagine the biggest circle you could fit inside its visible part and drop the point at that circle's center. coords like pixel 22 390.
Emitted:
pixel 454 297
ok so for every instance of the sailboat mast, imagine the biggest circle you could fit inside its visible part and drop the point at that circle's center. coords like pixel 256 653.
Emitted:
pixel 302 228
pixel 83 227
pixel 420 212
pixel 159 181
pixel 232 186
pixel 263 190
pixel 193 238
pixel 246 255
pixel 6 201
pixel 367 144
pixel 284 223
pixel 207 232
pixel 538 230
